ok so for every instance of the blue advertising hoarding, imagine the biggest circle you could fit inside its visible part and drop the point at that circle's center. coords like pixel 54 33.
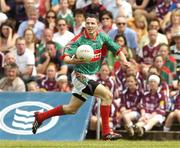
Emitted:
pixel 17 110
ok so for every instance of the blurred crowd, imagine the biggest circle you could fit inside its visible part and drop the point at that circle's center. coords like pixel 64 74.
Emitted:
pixel 33 34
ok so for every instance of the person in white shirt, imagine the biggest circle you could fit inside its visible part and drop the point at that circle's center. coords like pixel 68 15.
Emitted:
pixel 63 36
pixel 120 7
pixel 24 59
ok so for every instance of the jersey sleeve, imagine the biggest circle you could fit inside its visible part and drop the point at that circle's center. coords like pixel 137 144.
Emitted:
pixel 111 45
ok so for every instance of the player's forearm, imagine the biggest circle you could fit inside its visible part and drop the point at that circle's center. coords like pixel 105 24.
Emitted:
pixel 122 57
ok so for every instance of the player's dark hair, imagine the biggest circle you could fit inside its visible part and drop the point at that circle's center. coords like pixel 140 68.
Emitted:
pixel 91 15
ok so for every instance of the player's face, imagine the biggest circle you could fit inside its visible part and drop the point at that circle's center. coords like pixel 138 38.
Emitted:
pixel 91 25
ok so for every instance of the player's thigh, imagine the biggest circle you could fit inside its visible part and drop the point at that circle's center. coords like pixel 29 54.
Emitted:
pixel 102 92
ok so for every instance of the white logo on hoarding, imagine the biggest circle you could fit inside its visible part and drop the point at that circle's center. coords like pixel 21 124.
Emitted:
pixel 23 119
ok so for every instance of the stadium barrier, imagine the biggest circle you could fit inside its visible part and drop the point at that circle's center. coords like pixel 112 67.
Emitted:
pixel 17 110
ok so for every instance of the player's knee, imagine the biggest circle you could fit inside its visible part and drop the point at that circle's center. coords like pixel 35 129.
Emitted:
pixel 70 110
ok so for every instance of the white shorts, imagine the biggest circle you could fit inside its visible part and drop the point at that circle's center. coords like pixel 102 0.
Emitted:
pixel 80 81
pixel 160 118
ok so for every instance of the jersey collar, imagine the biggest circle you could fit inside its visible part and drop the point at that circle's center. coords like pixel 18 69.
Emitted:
pixel 86 34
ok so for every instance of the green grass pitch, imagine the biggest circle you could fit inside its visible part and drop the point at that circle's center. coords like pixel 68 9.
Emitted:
pixel 90 144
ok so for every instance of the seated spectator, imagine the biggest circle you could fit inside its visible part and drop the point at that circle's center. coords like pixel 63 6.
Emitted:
pixel 130 99
pixel 72 5
pixel 11 81
pixel 145 7
pixel 164 72
pixel 7 36
pixel 130 35
pixel 175 49
pixel 65 13
pixel 150 50
pixel 50 20
pixel 106 21
pixel 32 22
pixel 24 59
pixel 62 84
pixel 51 55
pixel 33 86
pixel 118 7
pixel 139 24
pixel 95 7
pixel 30 39
pixel 161 38
pixel 169 61
pixel 1 64
pixel 48 82
pixel 79 24
pixel 174 115
pixel 152 107
pixel 63 36
pixel 40 48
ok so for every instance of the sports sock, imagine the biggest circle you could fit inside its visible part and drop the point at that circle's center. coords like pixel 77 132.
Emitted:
pixel 105 112
pixel 57 111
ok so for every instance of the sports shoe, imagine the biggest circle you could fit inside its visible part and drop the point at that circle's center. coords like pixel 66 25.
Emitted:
pixel 130 130
pixel 139 130
pixel 112 136
pixel 36 123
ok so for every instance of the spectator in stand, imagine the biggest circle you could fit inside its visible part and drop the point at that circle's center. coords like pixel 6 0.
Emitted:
pixel 65 13
pixel 163 8
pixel 50 20
pixel 72 5
pixel 33 86
pixel 145 7
pixel 106 21
pixel 95 7
pixel 152 107
pixel 161 38
pixel 175 113
pixel 82 3
pixel 24 59
pixel 32 22
pixel 150 50
pixel 62 83
pixel 7 36
pixel 120 7
pixel 30 39
pixel 48 82
pixel 46 37
pixel 1 64
pixel 171 20
pixel 130 99
pixel 63 36
pixel 139 25
pixel 130 35
pixel 164 72
pixel 112 61
pixel 12 82
pixel 79 17
pixel 175 49
pixel 7 59
pixel 15 10
pixel 51 55
pixel 169 61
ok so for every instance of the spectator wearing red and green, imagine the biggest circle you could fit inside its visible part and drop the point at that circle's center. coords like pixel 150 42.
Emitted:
pixel 175 49
pixel 169 61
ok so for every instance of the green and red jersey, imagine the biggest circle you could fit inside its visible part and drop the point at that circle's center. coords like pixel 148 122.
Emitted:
pixel 100 44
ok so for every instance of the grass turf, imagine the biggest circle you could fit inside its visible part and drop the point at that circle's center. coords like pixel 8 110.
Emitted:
pixel 90 144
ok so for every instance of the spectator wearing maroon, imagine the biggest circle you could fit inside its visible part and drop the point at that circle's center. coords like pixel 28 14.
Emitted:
pixel 152 107
pixel 130 99
pixel 150 50
pixel 175 114
pixel 94 7
pixel 48 82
